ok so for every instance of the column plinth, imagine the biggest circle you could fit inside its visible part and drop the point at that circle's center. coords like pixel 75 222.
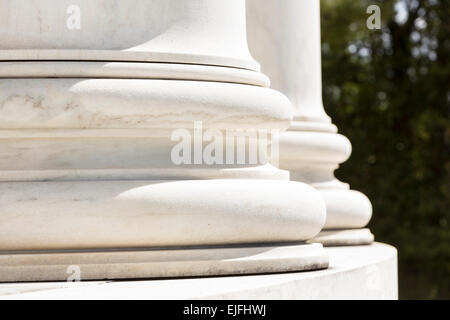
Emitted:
pixel 311 149
pixel 87 176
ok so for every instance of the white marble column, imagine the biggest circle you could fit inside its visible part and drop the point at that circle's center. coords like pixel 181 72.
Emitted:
pixel 87 122
pixel 284 36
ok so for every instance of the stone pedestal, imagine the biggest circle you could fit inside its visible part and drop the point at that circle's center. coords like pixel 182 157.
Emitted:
pixel 356 272
pixel 284 36
pixel 89 119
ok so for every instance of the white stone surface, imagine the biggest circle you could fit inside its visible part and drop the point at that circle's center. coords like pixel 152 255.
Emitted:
pixel 139 103
pixel 361 272
pixel 189 31
pixel 121 128
pixel 142 214
pixel 284 36
pixel 86 118
pixel 130 70
pixel 161 263
pixel 347 237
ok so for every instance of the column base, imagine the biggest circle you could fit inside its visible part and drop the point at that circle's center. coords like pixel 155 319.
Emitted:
pixel 345 237
pixel 160 263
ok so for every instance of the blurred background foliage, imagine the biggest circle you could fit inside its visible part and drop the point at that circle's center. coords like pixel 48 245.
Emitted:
pixel 388 91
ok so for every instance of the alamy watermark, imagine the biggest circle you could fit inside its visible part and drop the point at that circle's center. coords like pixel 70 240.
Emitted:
pixel 224 147
pixel 374 20
pixel 74 273
pixel 73 21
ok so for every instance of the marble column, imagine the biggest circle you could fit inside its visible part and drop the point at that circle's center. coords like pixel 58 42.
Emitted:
pixel 94 99
pixel 284 36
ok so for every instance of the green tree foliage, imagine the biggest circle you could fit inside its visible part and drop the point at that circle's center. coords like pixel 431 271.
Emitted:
pixel 387 90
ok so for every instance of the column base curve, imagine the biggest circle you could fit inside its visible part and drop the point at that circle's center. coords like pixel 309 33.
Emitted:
pixel 346 209
pixel 81 215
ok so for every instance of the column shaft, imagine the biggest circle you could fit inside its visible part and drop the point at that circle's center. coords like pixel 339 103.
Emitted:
pixel 284 36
